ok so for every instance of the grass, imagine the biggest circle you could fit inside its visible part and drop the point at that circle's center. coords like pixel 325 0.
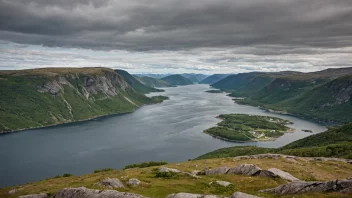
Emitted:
pixel 145 164
pixel 153 186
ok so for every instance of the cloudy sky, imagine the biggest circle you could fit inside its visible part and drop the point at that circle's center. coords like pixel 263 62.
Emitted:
pixel 176 36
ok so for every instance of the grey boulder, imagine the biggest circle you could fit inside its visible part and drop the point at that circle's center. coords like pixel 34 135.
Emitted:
pixel 217 171
pixel 189 195
pixel 223 183
pixel 166 169
pixel 40 195
pixel 284 175
pixel 245 169
pixel 83 192
pixel 133 182
pixel 305 187
pixel 242 195
pixel 111 183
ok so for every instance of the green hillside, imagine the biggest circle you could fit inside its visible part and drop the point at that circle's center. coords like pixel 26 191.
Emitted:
pixel 153 82
pixel 213 79
pixel 177 79
pixel 43 97
pixel 335 142
pixel 135 83
pixel 323 95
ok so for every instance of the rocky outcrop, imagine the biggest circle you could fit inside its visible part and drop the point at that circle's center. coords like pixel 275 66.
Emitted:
pixel 245 169
pixel 298 187
pixel 83 192
pixel 133 182
pixel 111 183
pixel 282 174
pixel 242 195
pixel 189 195
pixel 40 195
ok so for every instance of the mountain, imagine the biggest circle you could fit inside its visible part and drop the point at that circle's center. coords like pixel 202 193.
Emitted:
pixel 213 78
pixel 335 142
pixel 177 79
pixel 50 96
pixel 157 76
pixel 153 82
pixel 196 78
pixel 135 83
pixel 323 95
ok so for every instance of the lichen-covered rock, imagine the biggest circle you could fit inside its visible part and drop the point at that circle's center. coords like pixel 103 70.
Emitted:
pixel 284 175
pixel 40 195
pixel 133 182
pixel 189 195
pixel 223 183
pixel 111 183
pixel 217 171
pixel 242 195
pixel 166 169
pixel 13 191
pixel 305 187
pixel 245 169
pixel 83 192
pixel 190 174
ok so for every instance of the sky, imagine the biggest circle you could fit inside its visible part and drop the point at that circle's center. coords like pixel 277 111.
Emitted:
pixel 177 36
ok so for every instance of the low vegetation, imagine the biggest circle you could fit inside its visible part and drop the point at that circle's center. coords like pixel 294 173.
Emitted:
pixel 243 127
pixel 159 186
pixel 214 91
pixel 145 164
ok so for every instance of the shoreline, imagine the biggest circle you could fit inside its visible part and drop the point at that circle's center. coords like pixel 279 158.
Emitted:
pixel 67 123
pixel 75 121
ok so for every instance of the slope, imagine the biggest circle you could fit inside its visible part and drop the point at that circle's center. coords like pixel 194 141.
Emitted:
pixel 43 97
pixel 213 78
pixel 153 82
pixel 135 83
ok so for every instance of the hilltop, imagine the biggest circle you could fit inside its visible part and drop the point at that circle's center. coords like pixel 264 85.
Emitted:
pixel 177 79
pixel 43 97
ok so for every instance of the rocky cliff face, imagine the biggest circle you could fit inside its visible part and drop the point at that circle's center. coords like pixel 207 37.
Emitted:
pixel 41 97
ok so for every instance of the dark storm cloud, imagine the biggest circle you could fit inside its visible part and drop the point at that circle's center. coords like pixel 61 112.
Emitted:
pixel 179 24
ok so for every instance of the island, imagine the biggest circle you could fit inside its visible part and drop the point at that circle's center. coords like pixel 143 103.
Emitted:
pixel 214 91
pixel 249 128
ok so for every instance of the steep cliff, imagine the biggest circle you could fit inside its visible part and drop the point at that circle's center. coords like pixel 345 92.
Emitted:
pixel 42 97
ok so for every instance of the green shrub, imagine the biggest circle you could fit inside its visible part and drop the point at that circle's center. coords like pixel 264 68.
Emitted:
pixel 145 164
pixel 67 175
pixel 167 175
pixel 103 170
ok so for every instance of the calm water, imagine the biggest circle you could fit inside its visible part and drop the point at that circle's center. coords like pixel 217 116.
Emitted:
pixel 170 131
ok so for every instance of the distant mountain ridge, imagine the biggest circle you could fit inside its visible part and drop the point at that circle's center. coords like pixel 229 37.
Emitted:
pixel 153 82
pixel 213 78
pixel 323 95
pixel 196 78
pixel 177 79
pixel 50 96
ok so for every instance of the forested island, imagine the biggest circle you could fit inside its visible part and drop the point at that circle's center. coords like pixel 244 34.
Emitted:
pixel 247 128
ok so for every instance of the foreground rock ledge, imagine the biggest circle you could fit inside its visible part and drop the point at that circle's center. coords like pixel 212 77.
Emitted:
pixel 344 186
pixel 83 192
